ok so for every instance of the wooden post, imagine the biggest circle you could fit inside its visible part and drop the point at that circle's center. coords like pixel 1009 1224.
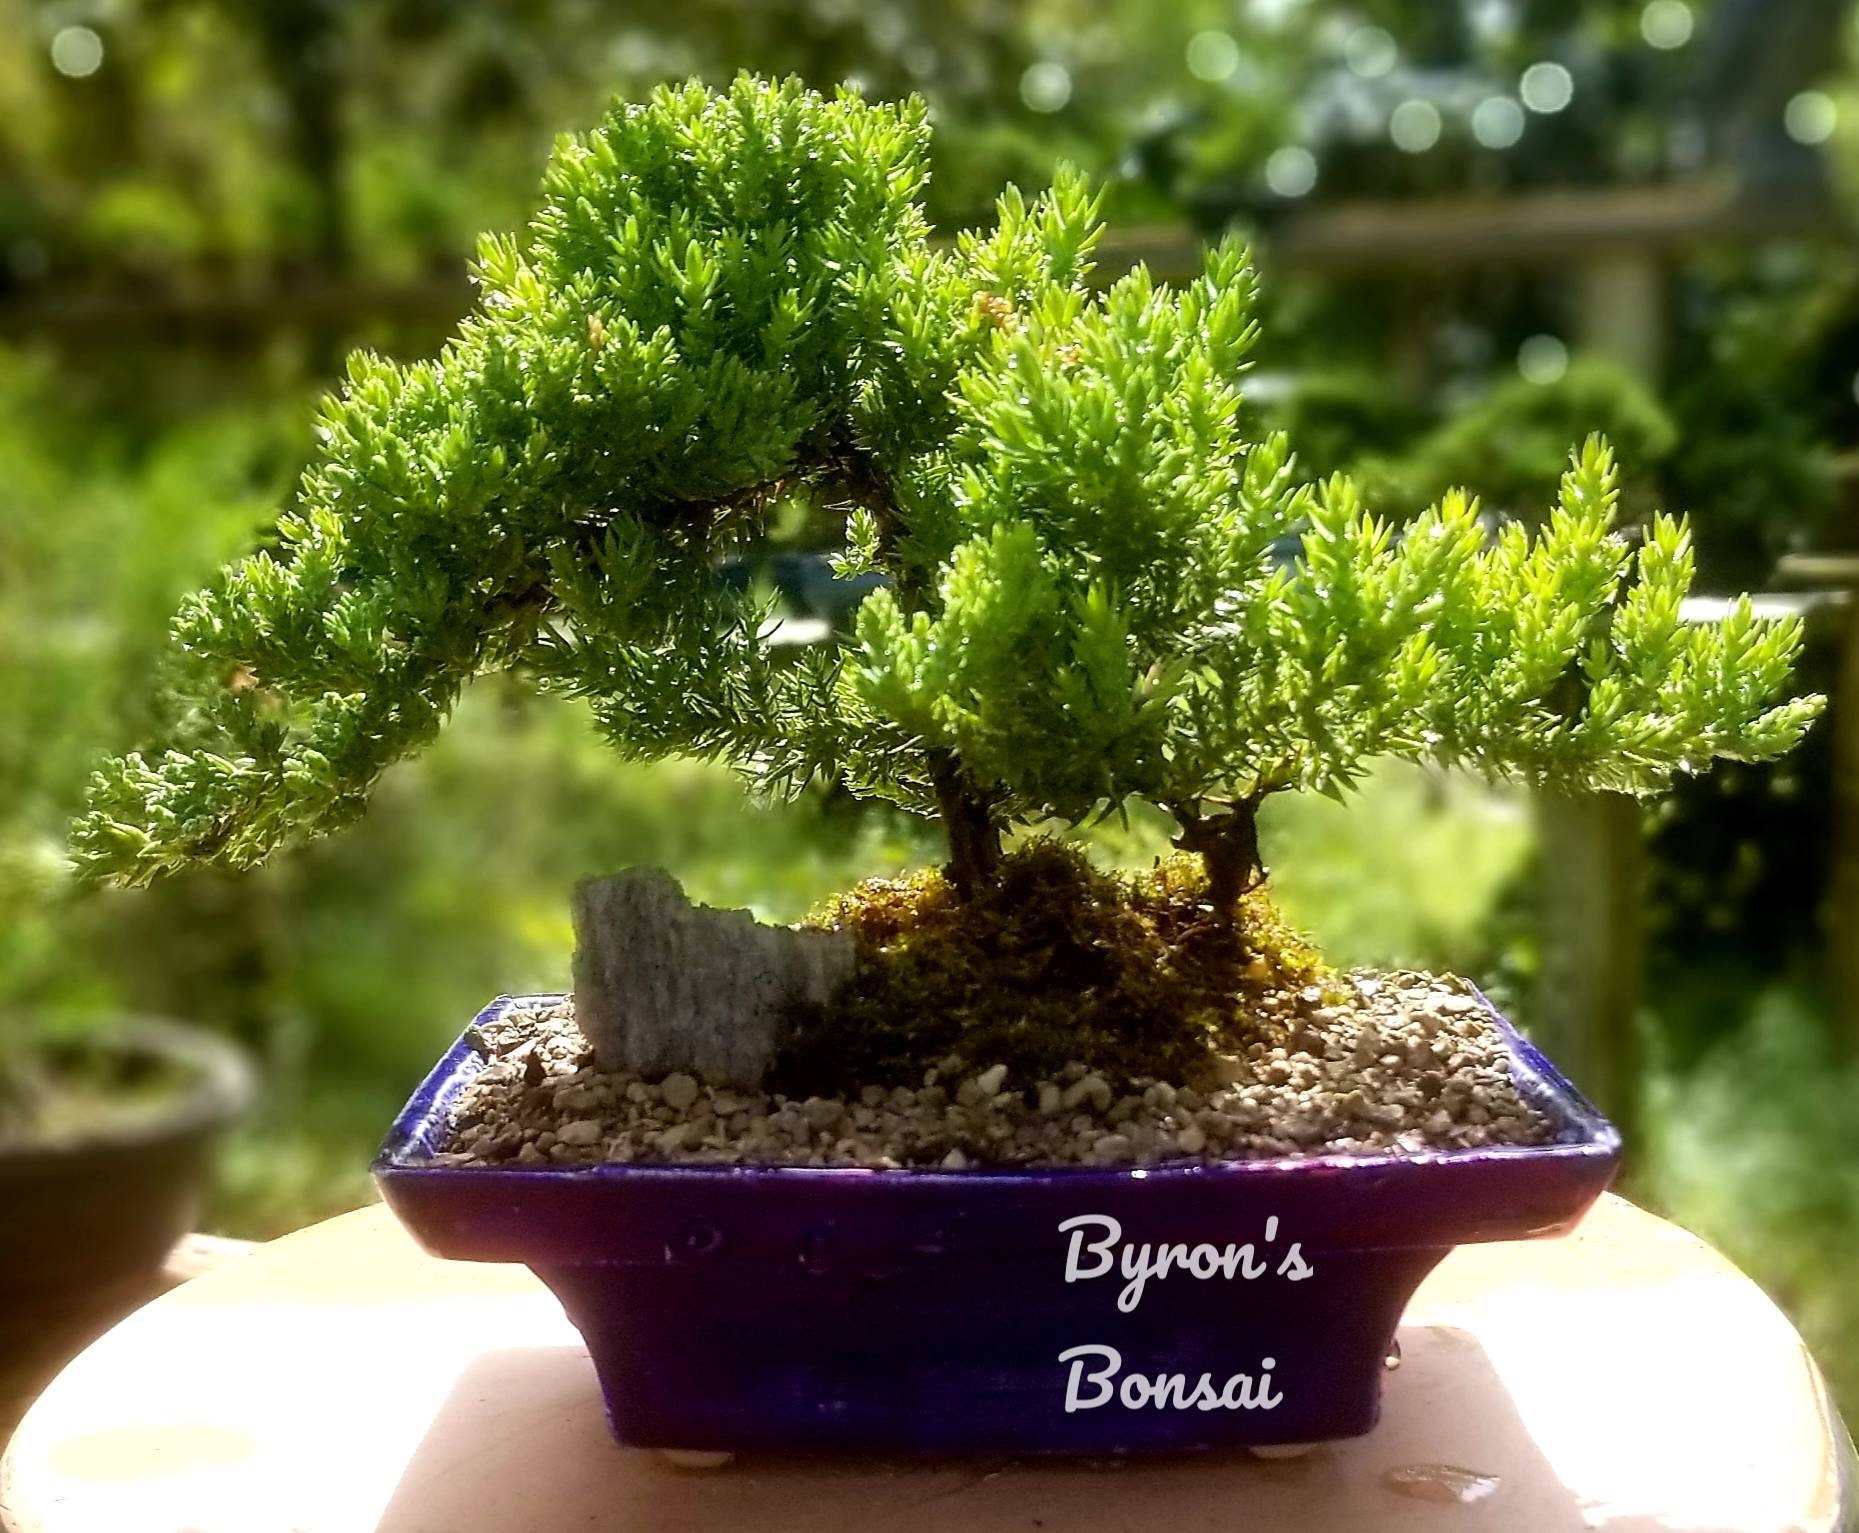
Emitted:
pixel 1827 587
pixel 1586 1010
pixel 1843 880
pixel 1586 1016
pixel 1620 309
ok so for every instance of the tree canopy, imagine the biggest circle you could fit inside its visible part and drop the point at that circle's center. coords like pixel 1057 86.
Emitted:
pixel 1099 582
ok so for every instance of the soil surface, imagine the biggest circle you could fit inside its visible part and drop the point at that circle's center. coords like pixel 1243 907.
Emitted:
pixel 1062 1016
pixel 55 1092
pixel 1368 1063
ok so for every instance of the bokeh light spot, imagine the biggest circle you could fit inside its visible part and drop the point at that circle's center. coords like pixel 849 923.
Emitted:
pixel 1291 171
pixel 1667 23
pixel 77 52
pixel 1811 117
pixel 1542 359
pixel 1497 122
pixel 1414 126
pixel 1046 86
pixel 1212 56
pixel 1546 87
pixel 1370 52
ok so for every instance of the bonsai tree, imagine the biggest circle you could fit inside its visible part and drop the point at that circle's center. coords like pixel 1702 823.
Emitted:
pixel 729 300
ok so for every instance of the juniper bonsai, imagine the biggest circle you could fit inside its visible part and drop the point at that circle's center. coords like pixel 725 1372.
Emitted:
pixel 727 301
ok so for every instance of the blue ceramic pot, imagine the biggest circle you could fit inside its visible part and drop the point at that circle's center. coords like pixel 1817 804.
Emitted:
pixel 1069 1310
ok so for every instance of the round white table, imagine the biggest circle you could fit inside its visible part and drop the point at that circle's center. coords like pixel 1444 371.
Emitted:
pixel 1624 1378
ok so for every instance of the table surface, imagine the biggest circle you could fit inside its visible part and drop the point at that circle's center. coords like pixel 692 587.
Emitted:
pixel 1622 1378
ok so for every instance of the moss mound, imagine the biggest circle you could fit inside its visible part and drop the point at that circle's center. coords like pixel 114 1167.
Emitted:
pixel 1058 961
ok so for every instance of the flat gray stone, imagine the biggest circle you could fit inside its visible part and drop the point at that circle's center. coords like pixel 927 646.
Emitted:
pixel 661 984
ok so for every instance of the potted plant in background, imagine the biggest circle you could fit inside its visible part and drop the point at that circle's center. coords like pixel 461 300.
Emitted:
pixel 1017 1154
pixel 105 1131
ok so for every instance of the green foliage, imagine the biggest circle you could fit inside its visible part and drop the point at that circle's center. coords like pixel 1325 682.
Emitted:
pixel 97 542
pixel 1755 1147
pixel 730 299
pixel 1340 416
pixel 552 490
pixel 1511 445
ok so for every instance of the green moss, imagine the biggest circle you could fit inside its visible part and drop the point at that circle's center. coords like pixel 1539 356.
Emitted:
pixel 1057 961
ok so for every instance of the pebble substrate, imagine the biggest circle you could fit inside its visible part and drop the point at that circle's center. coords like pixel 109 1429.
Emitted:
pixel 1412 1064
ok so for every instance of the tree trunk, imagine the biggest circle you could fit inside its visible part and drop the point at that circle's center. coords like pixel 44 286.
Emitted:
pixel 1228 845
pixel 968 821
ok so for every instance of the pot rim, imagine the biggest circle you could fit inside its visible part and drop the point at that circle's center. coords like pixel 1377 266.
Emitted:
pixel 1584 1135
pixel 223 1087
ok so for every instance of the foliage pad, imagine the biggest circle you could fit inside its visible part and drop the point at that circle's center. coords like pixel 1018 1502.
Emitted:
pixel 731 300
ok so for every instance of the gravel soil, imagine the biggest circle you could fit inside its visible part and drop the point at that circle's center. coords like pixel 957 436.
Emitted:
pixel 1409 1063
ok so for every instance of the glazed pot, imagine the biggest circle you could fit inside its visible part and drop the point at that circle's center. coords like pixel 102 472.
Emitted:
pixel 90 1217
pixel 1067 1310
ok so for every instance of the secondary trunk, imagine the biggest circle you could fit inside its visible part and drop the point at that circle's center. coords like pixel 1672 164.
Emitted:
pixel 1228 844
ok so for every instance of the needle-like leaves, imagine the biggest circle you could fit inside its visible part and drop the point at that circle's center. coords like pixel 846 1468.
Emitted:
pixel 1099 583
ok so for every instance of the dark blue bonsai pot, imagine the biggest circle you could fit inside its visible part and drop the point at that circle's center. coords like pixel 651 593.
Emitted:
pixel 991 1310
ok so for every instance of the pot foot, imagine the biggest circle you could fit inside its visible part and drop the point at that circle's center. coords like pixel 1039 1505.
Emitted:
pixel 695 1458
pixel 1281 1450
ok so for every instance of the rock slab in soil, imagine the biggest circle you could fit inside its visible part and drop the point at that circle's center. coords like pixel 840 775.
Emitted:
pixel 664 985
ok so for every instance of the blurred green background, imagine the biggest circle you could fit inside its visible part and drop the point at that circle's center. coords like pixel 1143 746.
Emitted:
pixel 1487 228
